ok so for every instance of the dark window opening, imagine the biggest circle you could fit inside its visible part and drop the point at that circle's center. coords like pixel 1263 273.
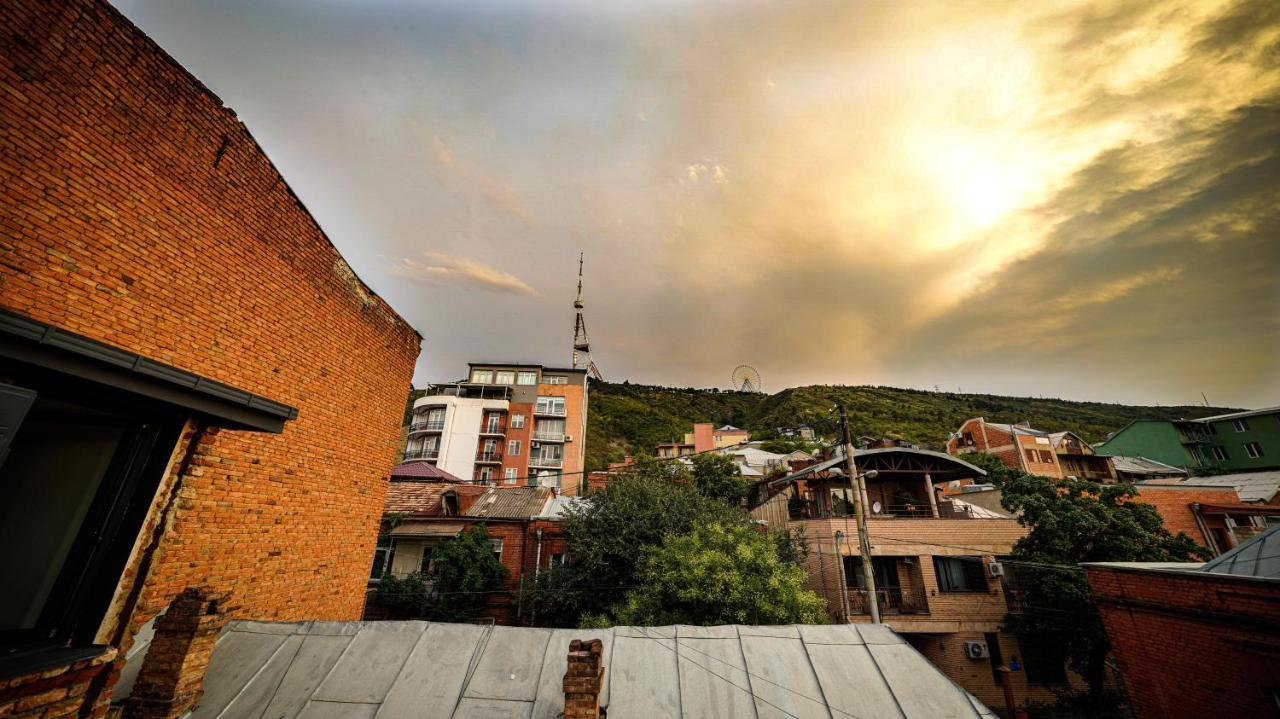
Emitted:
pixel 1045 662
pixel 960 574
pixel 78 475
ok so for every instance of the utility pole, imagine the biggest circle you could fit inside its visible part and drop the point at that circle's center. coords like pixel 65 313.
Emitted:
pixel 864 542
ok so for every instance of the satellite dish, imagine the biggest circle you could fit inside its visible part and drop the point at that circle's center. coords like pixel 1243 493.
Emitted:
pixel 876 507
pixel 746 379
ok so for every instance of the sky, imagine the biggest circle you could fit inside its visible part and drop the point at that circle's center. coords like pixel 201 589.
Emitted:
pixel 1057 199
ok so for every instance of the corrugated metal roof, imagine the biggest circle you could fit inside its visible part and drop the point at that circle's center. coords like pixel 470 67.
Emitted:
pixel 511 503
pixel 417 669
pixel 1238 415
pixel 1251 486
pixel 1258 557
pixel 1142 465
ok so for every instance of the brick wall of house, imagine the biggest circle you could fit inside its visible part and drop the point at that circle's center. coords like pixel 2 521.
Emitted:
pixel 1174 506
pixel 1192 644
pixel 141 213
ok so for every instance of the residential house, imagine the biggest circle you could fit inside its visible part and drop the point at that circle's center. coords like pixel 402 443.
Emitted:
pixel 936 562
pixel 1048 454
pixel 180 345
pixel 1196 640
pixel 1137 469
pixel 804 432
pixel 507 425
pixel 1234 442
pixel 420 669
pixel 523 524
pixel 1252 487
pixel 704 438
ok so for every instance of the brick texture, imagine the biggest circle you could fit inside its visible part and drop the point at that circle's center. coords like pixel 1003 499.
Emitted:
pixel 139 212
pixel 1192 644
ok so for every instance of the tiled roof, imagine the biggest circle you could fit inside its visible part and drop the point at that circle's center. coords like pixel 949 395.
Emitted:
pixel 510 503
pixel 422 470
pixel 422 498
pixel 1258 557
pixel 418 669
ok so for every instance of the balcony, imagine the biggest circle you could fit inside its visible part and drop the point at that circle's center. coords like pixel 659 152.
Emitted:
pixel 543 410
pixel 421 454
pixel 548 437
pixel 498 428
pixel 892 600
pixel 427 426
pixel 546 462
pixel 494 457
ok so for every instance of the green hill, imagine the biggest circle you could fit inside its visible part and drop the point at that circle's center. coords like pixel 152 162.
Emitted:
pixel 630 419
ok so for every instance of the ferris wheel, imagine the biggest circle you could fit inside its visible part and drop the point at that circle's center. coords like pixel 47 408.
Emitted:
pixel 746 379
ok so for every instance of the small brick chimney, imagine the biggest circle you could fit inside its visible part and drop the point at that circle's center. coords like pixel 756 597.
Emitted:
pixel 170 680
pixel 583 680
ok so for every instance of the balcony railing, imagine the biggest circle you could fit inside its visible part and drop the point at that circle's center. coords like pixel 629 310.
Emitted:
pixel 493 429
pixel 421 454
pixel 483 456
pixel 548 436
pixel 892 600
pixel 554 462
pixel 427 426
pixel 549 410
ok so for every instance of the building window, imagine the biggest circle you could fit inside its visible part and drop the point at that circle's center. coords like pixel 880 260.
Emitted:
pixel 960 574
pixel 482 376
pixel 428 558
pixel 484 474
pixel 527 378
pixel 504 377
pixel 547 478
pixel 550 405
pixel 496 543
pixel 513 448
pixel 549 429
pixel 381 558
pixel 517 421
pixel 510 475
pixel 1253 449
pixel 554 379
pixel 1240 425
pixel 493 423
pixel 1219 453
pixel 435 418
pixel 558 560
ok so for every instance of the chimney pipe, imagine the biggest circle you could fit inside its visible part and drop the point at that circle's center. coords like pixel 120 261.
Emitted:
pixel 583 680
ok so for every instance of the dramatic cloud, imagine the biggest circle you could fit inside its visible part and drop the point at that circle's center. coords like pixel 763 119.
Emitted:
pixel 1061 198
pixel 440 270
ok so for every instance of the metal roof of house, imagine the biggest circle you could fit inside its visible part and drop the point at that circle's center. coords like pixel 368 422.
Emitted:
pixel 1250 486
pixel 1239 415
pixel 422 470
pixel 1142 465
pixel 556 507
pixel 511 503
pixel 1258 557
pixel 362 670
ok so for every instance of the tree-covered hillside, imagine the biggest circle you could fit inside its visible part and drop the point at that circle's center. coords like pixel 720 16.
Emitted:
pixel 631 419
pixel 624 418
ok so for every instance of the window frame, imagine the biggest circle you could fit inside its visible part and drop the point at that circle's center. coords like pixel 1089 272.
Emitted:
pixel 945 579
pixel 477 374
pixel 1254 450
pixel 517 421
pixel 513 448
pixel 557 379
pixel 1219 453
pixel 511 475
pixel 526 378
pixel 1240 425
pixel 510 376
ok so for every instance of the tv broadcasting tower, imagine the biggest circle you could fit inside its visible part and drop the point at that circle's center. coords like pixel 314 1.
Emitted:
pixel 582 347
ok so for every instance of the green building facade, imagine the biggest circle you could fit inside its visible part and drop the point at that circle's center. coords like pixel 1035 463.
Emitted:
pixel 1235 442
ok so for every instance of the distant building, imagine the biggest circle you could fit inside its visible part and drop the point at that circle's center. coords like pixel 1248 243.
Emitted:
pixel 1048 454
pixel 704 438
pixel 804 432
pixel 1196 640
pixel 506 425
pixel 936 561
pixel 1239 441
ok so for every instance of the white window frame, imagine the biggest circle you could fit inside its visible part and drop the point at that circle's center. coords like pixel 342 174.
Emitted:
pixel 554 379
pixel 1253 449
pixel 511 474
pixel 496 543
pixel 486 474
pixel 493 423
pixel 1240 425
pixel 517 421
pixel 1219 454
pixel 513 448
pixel 481 376
pixel 527 378
pixel 550 405
pixel 504 376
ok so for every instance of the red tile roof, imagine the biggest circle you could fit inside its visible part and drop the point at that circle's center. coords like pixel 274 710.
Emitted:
pixel 422 470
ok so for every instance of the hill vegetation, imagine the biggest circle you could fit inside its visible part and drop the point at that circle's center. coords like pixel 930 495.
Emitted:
pixel 628 418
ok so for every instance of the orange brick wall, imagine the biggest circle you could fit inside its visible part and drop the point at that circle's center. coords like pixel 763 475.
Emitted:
pixel 575 410
pixel 141 213
pixel 1192 645
pixel 1174 506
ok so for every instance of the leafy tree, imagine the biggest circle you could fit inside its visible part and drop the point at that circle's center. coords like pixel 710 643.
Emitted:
pixel 718 476
pixel 719 574
pixel 606 535
pixel 1075 521
pixel 463 571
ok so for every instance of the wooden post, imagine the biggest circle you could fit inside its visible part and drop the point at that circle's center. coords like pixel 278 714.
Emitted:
pixel 1010 708
pixel 859 505
pixel 933 498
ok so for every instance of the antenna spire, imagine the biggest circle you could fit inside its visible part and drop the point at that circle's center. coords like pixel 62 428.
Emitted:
pixel 580 344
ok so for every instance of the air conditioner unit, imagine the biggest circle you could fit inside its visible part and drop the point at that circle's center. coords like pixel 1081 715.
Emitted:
pixel 977 650
pixel 995 569
pixel 568 438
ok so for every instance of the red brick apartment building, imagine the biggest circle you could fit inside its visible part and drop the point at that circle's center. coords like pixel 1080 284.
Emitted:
pixel 507 425
pixel 180 345
pixel 523 524
pixel 1197 640
pixel 936 562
